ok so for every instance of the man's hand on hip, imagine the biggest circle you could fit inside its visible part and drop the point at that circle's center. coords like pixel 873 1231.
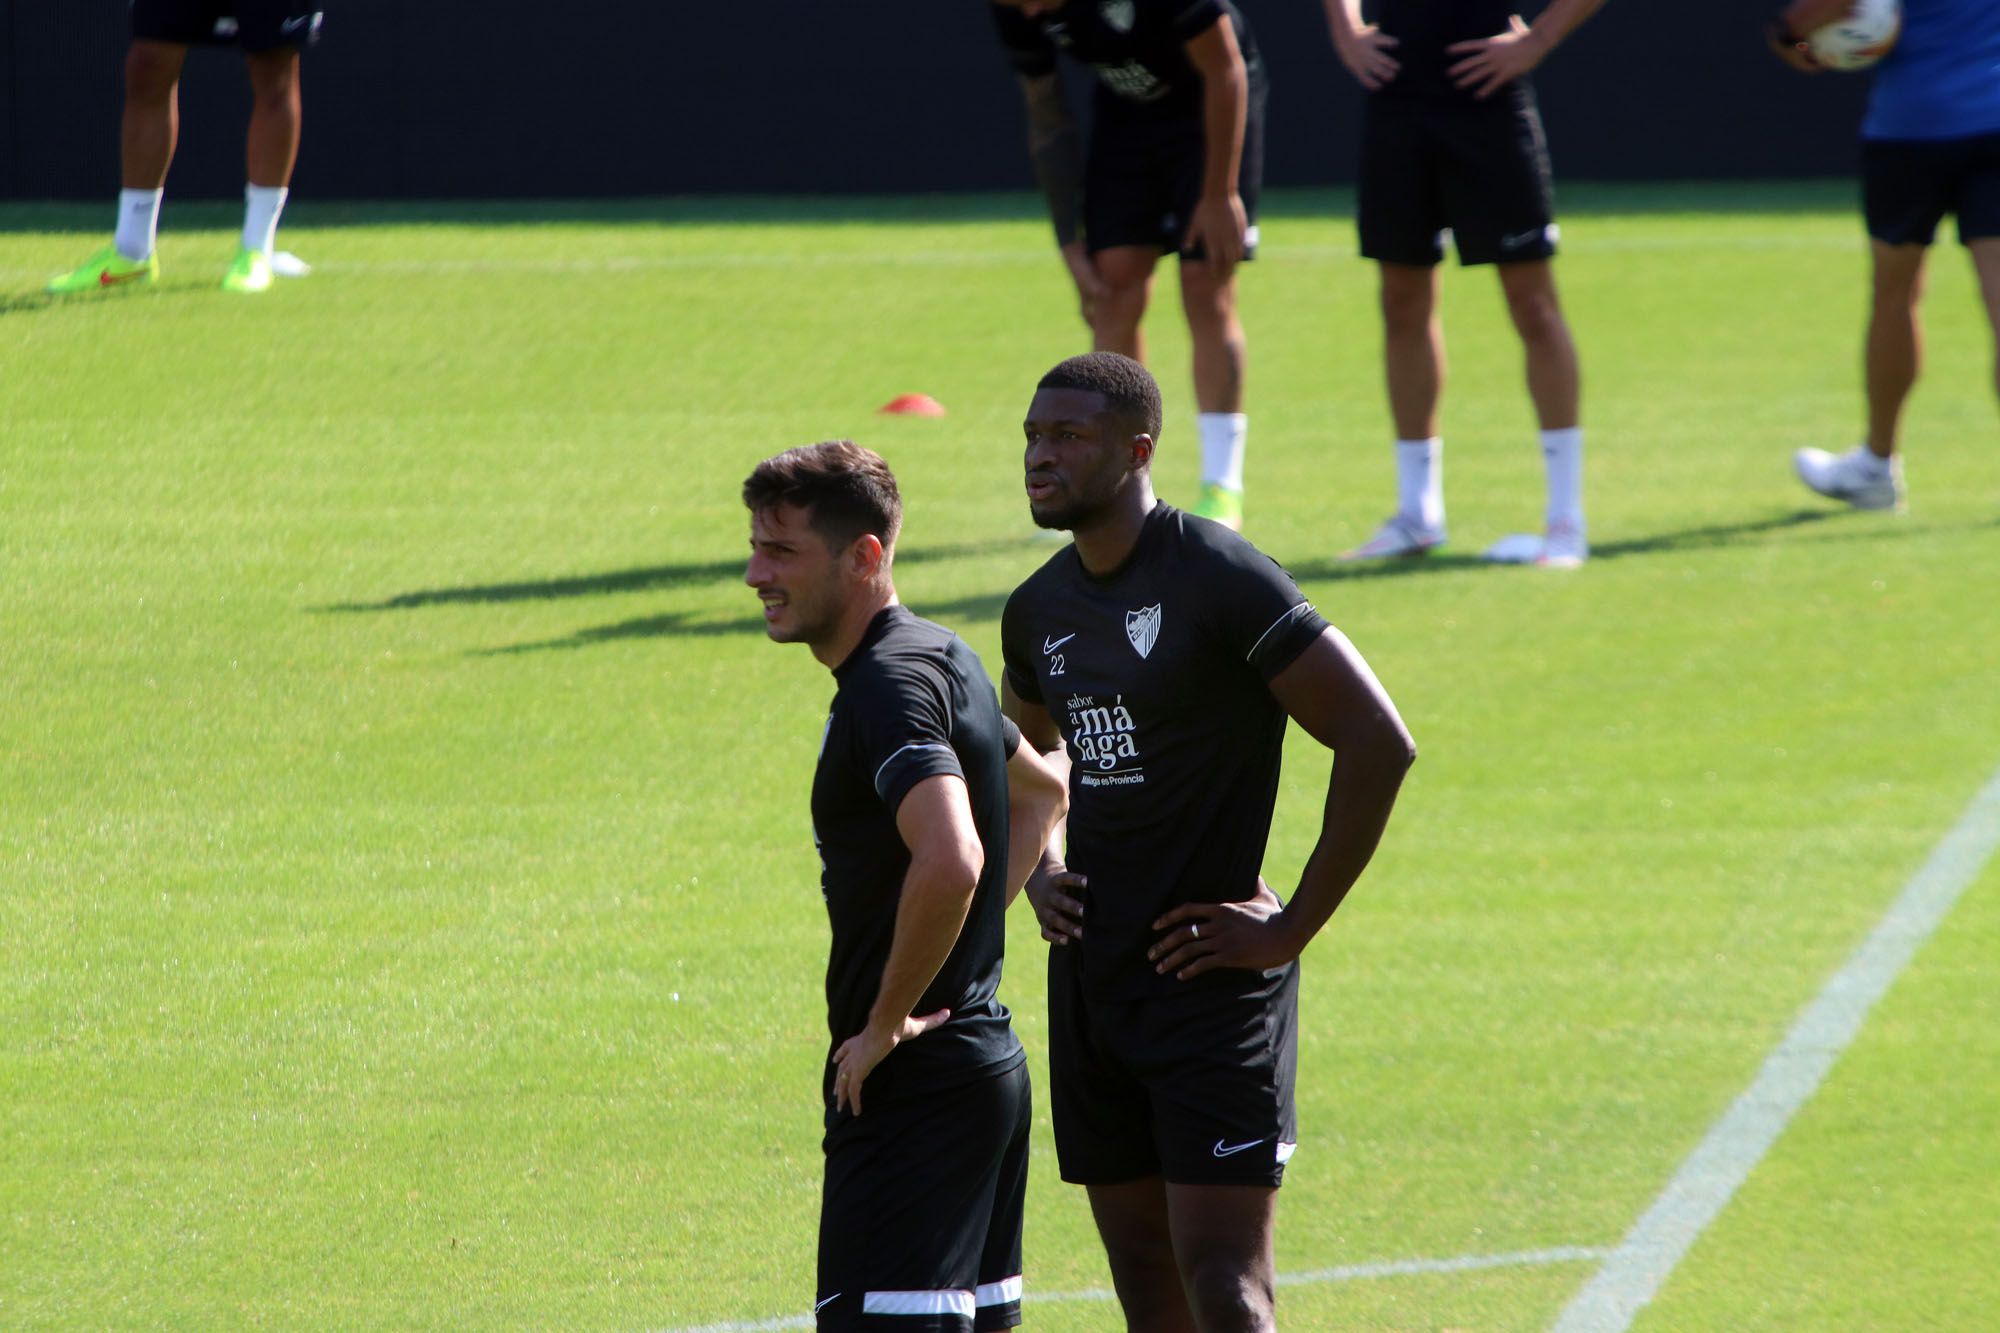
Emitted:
pixel 1199 937
pixel 859 1054
pixel 1056 895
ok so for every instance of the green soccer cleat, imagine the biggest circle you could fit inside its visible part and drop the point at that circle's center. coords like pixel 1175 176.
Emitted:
pixel 106 269
pixel 1220 504
pixel 251 272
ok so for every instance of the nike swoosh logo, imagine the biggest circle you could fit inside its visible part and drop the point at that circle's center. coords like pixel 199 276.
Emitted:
pixel 109 279
pixel 293 25
pixel 828 1301
pixel 1519 239
pixel 1050 645
pixel 1233 1149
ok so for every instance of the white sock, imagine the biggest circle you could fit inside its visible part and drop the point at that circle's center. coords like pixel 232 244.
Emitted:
pixel 1562 453
pixel 1222 436
pixel 261 206
pixel 1420 481
pixel 138 223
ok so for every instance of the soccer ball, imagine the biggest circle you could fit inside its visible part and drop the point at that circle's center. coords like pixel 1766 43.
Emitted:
pixel 1859 40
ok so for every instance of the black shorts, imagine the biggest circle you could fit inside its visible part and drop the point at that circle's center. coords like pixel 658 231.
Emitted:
pixel 1143 177
pixel 254 25
pixel 920 1222
pixel 1908 185
pixel 1194 1086
pixel 1479 170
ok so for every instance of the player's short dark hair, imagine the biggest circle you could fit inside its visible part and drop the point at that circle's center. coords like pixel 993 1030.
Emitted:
pixel 1130 392
pixel 846 491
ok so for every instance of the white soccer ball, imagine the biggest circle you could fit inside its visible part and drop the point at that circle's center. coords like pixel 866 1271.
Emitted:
pixel 1859 40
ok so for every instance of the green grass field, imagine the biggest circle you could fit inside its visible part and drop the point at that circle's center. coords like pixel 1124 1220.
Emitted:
pixel 408 917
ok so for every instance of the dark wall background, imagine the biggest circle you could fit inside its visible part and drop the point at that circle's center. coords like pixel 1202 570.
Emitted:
pixel 519 98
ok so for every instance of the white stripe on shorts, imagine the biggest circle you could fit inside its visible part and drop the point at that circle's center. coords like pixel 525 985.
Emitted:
pixel 918 1302
pixel 1285 1151
pixel 998 1293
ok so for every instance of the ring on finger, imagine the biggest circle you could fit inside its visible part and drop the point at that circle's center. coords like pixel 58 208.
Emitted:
pixel 1194 929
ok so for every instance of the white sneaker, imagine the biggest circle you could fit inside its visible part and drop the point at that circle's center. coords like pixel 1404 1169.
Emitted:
pixel 1401 535
pixel 1857 476
pixel 1562 547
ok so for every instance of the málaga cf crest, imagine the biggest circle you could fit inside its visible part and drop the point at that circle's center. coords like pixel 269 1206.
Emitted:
pixel 1143 628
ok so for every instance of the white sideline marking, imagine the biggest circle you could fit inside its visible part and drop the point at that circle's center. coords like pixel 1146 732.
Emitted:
pixel 1791 1074
pixel 1465 1263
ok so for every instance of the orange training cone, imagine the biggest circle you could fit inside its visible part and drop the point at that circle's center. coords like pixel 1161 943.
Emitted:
pixel 911 405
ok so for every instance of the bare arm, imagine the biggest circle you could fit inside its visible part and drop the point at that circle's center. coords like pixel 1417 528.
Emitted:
pixel 1037 797
pixel 1219 223
pixel 1560 19
pixel 936 822
pixel 1331 693
pixel 1053 889
pixel 1055 147
pixel 1804 16
pixel 1488 64
pixel 1362 47
pixel 1787 35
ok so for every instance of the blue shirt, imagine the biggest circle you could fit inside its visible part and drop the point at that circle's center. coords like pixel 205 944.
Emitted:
pixel 1942 80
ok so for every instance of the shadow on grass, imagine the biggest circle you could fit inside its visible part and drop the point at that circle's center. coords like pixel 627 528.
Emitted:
pixel 17 303
pixel 646 211
pixel 1648 197
pixel 679 624
pixel 82 303
pixel 648 578
pixel 987 606
pixel 1868 528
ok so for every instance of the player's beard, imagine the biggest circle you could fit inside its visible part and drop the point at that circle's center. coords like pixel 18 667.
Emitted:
pixel 1069 509
pixel 1075 503
pixel 1052 516
pixel 812 609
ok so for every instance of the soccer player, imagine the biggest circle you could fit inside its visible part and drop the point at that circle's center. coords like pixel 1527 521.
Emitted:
pixel 1166 653
pixel 1930 146
pixel 928 813
pixel 1175 159
pixel 271 33
pixel 1451 142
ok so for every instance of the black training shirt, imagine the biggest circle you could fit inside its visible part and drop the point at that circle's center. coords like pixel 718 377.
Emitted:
pixel 1157 675
pixel 1425 29
pixel 913 702
pixel 1136 48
